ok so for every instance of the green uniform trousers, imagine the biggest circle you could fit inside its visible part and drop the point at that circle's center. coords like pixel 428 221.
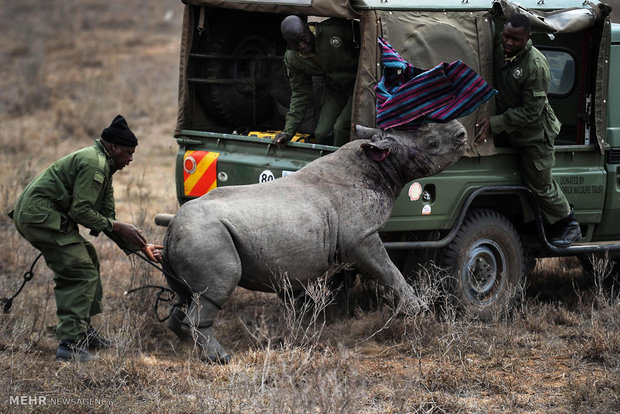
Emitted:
pixel 536 163
pixel 75 264
pixel 334 114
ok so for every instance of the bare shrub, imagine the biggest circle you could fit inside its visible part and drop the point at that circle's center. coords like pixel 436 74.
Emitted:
pixel 304 315
pixel 304 381
pixel 595 395
pixel 601 346
pixel 603 273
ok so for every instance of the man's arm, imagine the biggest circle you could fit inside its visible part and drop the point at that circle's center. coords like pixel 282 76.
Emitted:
pixel 130 240
pixel 534 96
pixel 87 187
pixel 108 208
pixel 125 235
pixel 301 89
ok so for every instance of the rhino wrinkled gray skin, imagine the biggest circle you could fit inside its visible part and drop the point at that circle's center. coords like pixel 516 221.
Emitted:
pixel 301 225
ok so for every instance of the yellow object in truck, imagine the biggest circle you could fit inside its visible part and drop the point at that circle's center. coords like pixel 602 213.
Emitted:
pixel 270 134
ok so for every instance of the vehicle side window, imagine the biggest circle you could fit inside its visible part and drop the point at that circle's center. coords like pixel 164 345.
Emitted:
pixel 563 73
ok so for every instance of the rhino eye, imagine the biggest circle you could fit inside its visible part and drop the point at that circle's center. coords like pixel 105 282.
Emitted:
pixel 433 146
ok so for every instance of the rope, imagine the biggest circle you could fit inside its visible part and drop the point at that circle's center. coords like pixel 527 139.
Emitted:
pixel 178 280
pixel 7 303
pixel 163 290
pixel 158 299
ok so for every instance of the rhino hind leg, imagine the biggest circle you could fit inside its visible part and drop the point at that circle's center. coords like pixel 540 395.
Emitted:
pixel 201 314
pixel 206 270
pixel 193 322
pixel 177 323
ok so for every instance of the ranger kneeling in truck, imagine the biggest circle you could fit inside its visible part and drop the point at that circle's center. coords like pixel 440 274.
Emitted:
pixel 329 51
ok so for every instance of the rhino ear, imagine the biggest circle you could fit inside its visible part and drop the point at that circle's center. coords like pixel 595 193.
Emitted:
pixel 362 132
pixel 376 151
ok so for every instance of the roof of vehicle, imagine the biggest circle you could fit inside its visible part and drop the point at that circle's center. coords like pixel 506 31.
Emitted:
pixel 333 8
pixel 349 8
pixel 460 4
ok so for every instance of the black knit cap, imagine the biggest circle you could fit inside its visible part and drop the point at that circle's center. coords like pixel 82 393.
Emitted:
pixel 119 133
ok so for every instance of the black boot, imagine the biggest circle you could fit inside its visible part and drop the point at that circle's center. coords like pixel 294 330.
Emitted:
pixel 69 350
pixel 566 231
pixel 95 340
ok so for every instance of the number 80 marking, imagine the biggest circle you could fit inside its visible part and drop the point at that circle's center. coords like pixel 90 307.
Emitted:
pixel 266 176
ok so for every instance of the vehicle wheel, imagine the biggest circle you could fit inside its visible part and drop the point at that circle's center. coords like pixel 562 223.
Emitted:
pixel 488 263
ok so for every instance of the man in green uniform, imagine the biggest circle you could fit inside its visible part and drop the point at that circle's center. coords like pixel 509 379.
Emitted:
pixel 525 116
pixel 323 49
pixel 77 189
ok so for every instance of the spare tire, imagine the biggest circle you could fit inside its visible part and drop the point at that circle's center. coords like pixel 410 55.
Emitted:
pixel 244 70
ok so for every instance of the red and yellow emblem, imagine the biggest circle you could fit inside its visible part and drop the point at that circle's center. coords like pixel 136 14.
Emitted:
pixel 199 172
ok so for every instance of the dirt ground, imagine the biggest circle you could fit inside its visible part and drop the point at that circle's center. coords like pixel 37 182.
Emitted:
pixel 67 68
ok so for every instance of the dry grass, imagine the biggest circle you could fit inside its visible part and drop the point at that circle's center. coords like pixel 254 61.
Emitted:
pixel 67 68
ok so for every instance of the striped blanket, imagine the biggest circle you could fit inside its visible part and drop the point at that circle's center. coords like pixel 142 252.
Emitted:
pixel 408 97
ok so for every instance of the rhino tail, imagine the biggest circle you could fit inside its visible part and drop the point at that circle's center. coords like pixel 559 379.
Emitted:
pixel 174 281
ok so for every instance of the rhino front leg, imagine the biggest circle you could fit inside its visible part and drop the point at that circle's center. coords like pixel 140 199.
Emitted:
pixel 372 259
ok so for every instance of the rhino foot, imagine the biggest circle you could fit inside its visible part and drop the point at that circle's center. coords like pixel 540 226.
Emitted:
pixel 210 349
pixel 411 304
pixel 414 306
pixel 217 359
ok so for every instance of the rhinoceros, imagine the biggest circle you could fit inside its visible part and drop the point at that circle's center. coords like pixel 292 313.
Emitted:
pixel 301 225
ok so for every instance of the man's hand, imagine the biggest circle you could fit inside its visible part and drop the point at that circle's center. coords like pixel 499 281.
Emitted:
pixel 484 131
pixel 130 233
pixel 281 138
pixel 153 251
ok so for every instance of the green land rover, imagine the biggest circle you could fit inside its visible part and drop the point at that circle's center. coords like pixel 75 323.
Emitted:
pixel 477 218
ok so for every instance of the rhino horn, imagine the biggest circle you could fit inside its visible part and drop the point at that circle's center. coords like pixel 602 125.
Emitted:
pixel 362 132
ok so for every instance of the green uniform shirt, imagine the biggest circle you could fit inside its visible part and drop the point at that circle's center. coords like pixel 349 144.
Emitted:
pixel 522 104
pixel 335 58
pixel 77 189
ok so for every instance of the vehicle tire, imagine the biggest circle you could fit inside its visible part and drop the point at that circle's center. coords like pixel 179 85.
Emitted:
pixel 488 263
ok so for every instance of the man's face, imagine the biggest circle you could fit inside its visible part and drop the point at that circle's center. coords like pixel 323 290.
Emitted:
pixel 514 39
pixel 305 43
pixel 121 155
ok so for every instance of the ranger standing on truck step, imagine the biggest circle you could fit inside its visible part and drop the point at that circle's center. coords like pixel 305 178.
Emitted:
pixel 77 189
pixel 322 49
pixel 524 114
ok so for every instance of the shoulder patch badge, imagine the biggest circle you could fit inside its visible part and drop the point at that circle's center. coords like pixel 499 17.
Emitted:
pixel 99 177
pixel 517 73
pixel 335 41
